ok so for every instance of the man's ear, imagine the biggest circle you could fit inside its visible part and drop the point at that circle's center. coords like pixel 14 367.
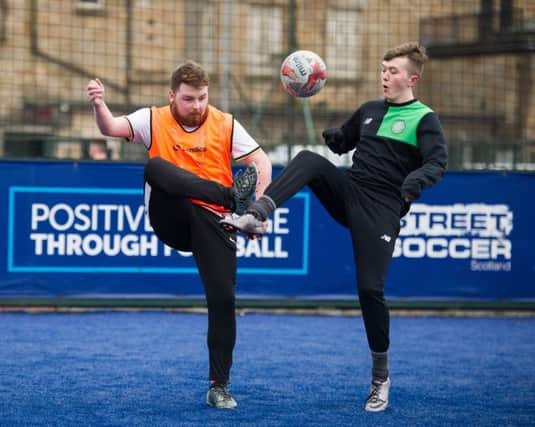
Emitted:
pixel 413 79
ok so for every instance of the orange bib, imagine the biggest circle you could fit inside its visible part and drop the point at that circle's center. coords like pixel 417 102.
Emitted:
pixel 206 151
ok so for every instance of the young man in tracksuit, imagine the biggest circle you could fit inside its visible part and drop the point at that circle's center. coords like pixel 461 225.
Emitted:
pixel 400 150
pixel 189 188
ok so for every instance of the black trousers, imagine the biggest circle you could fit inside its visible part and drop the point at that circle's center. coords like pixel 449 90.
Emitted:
pixel 185 226
pixel 373 222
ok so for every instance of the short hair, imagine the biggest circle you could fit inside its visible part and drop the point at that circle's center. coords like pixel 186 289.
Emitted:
pixel 413 51
pixel 190 73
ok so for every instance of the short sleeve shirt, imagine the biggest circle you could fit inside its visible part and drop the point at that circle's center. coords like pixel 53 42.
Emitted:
pixel 242 143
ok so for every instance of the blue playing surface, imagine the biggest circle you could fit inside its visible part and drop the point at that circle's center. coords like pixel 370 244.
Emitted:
pixel 150 369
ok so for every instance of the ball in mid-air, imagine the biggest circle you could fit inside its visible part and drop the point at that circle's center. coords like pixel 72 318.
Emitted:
pixel 303 73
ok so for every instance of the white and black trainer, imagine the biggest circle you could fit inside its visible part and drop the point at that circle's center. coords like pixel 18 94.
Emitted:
pixel 219 397
pixel 378 398
pixel 247 224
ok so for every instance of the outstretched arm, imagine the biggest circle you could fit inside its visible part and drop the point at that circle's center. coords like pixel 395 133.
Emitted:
pixel 344 139
pixel 335 140
pixel 106 122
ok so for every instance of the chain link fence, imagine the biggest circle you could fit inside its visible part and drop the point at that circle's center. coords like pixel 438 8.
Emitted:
pixel 479 79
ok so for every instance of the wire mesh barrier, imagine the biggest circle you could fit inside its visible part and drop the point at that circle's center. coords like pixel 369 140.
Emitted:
pixel 479 78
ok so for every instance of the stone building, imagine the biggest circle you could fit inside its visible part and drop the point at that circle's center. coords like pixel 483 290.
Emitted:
pixel 479 79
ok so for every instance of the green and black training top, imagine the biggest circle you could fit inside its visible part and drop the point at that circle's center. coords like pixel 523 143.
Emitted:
pixel 400 148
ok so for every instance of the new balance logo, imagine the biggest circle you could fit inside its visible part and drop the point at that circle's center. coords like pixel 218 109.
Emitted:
pixel 386 238
pixel 368 121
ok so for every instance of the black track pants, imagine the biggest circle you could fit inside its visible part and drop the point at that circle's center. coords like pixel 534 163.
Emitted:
pixel 185 226
pixel 372 219
pixel 174 181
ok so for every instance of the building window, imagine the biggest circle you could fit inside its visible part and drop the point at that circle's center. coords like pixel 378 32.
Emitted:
pixel 3 20
pixel 90 6
pixel 344 43
pixel 265 36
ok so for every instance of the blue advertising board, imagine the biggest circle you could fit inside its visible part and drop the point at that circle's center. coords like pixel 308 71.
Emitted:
pixel 80 229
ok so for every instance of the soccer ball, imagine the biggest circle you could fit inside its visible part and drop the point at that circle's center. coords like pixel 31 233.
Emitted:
pixel 303 73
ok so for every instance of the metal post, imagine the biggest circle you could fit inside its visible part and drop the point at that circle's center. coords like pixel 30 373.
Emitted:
pixel 129 48
pixel 290 106
pixel 226 58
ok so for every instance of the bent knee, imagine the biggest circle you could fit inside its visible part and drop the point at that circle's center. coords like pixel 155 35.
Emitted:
pixel 312 161
pixel 307 155
pixel 152 165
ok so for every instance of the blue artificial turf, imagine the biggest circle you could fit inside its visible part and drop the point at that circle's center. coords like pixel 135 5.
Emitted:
pixel 150 368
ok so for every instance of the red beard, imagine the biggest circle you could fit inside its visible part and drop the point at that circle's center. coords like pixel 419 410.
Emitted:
pixel 190 120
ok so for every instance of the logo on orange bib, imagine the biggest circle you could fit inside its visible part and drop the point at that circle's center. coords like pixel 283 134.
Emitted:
pixel 178 147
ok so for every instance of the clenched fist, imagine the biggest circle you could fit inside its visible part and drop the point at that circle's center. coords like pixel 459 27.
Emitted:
pixel 95 92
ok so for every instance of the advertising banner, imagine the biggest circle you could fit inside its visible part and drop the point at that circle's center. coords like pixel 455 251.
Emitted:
pixel 95 230
pixel 80 229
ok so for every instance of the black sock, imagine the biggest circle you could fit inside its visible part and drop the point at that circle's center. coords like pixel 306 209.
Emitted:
pixel 262 208
pixel 379 366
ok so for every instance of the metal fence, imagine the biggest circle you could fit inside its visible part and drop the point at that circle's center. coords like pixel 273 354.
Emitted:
pixel 479 79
